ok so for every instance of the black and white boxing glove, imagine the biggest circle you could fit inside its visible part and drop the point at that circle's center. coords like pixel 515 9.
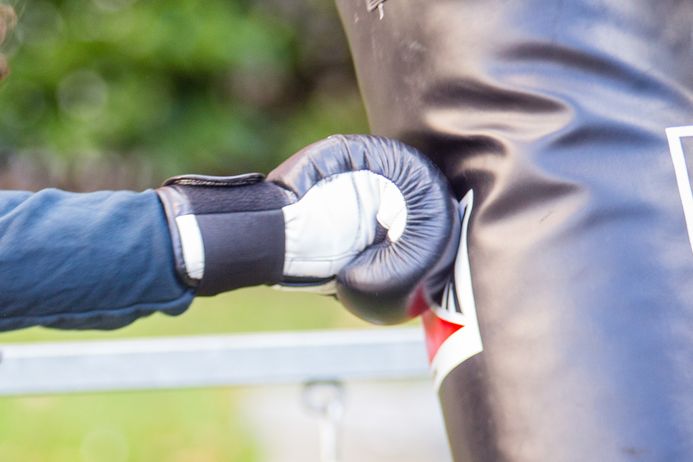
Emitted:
pixel 368 218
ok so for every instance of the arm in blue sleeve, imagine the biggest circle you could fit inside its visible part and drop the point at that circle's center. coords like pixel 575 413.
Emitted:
pixel 85 260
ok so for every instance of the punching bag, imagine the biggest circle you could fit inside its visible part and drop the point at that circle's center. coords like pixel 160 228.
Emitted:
pixel 565 128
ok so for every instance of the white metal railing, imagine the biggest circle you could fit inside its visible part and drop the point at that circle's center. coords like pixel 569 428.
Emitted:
pixel 203 361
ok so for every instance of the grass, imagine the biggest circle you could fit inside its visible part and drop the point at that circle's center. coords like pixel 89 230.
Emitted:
pixel 176 426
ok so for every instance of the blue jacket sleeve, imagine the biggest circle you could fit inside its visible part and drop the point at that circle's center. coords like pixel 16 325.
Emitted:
pixel 85 260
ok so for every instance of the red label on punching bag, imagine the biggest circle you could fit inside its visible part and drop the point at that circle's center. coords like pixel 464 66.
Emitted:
pixel 437 332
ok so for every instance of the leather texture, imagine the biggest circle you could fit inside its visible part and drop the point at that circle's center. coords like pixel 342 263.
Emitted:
pixel 249 228
pixel 382 282
pixel 337 219
pixel 240 223
pixel 554 113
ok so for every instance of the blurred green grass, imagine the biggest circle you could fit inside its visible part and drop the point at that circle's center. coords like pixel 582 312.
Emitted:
pixel 179 425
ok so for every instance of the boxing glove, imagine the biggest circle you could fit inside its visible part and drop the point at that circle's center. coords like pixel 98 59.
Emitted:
pixel 366 218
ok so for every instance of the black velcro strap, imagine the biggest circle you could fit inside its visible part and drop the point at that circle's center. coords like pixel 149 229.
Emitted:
pixel 222 199
pixel 241 249
pixel 241 224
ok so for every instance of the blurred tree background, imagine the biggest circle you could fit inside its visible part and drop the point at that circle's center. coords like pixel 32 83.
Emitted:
pixel 122 94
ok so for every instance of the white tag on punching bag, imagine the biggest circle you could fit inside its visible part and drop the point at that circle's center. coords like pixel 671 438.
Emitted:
pixel 452 330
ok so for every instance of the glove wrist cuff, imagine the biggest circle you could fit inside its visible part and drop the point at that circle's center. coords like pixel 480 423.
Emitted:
pixel 227 232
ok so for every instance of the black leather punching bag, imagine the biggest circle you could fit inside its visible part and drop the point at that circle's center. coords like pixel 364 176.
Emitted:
pixel 570 122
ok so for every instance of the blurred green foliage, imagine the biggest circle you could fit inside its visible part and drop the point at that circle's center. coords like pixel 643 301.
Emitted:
pixel 172 86
pixel 138 91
